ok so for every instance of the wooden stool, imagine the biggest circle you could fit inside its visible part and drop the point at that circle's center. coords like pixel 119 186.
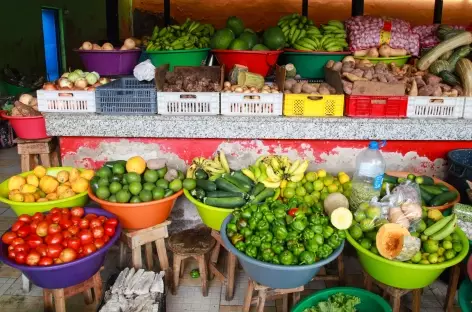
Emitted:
pixel 61 294
pixel 136 239
pixel 340 278
pixel 266 293
pixel 194 243
pixel 44 149
pixel 454 275
pixel 231 262
pixel 395 293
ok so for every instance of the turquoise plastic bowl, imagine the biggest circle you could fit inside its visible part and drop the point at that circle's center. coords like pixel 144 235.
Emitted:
pixel 405 275
pixel 370 302
pixel 465 295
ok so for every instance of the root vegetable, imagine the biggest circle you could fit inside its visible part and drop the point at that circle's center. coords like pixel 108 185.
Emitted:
pixel 432 79
pixel 330 64
pixel 238 89
pixel 427 90
pixel 275 91
pixel 65 83
pixel 365 63
pixel 26 98
pixel 123 48
pixel 337 66
pixel 373 52
pixel 413 88
pixel 87 45
pixel 104 80
pixel 323 90
pixel 80 83
pixel 352 77
pixel 412 211
pixel 129 44
pixel 349 59
pixel 49 86
pixel 227 84
pixel 171 175
pixel 288 92
pixel 360 52
pixel 288 85
pixel 96 47
pixel 386 51
pixel 107 46
pixel 347 86
pixel 297 88
pixel 437 91
pixel 307 88
pixel 395 215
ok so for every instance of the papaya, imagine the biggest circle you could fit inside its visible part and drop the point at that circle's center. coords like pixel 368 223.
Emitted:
pixel 394 242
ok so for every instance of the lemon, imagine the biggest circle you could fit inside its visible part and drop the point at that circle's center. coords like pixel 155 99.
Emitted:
pixel 136 164
pixel 343 178
pixel 321 173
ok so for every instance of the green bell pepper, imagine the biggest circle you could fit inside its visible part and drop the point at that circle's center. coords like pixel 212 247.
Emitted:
pixel 324 251
pixel 251 251
pixel 312 245
pixel 327 231
pixel 318 229
pixel 299 223
pixel 288 219
pixel 232 227
pixel 315 219
pixel 297 249
pixel 241 246
pixel 252 224
pixel 319 239
pixel 277 248
pixel 262 225
pixel 286 257
pixel 268 254
pixel 255 240
pixel 246 232
pixel 236 238
pixel 279 213
pixel 293 236
pixel 335 241
pixel 195 273
pixel 265 245
pixel 281 232
pixel 306 257
pixel 246 214
pixel 257 215
pixel 254 208
pixel 308 234
pixel 264 208
pixel 266 236
pixel 275 260
pixel 269 216
pixel 342 234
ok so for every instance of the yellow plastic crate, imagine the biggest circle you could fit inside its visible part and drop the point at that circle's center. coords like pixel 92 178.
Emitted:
pixel 307 105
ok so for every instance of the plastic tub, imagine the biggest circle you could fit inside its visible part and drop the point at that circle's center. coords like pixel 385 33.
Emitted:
pixel 29 128
pixel 110 63
pixel 195 57
pixel 140 215
pixel 67 274
pixel 275 275
pixel 465 295
pixel 370 302
pixel 20 208
pixel 460 170
pixel 405 275
pixel 311 64
pixel 259 62
pixel 211 216
pixel 16 90
pixel 398 60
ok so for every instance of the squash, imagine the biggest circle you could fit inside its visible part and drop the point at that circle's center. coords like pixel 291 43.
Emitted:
pixel 446 56
pixel 457 55
pixel 334 201
pixel 438 66
pixel 464 71
pixel 449 78
pixel 464 38
pixel 394 242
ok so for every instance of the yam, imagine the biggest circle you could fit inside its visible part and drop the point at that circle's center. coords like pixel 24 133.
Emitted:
pixel 297 88
pixel 413 88
pixel 330 64
pixel 323 91
pixel 432 79
pixel 352 77
pixel 337 66
pixel 289 83
pixel 307 88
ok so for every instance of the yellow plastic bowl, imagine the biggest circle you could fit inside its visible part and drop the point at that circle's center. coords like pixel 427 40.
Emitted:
pixel 20 208
pixel 211 216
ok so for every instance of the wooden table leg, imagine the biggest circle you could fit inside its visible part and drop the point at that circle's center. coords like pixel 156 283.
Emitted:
pixel 248 296
pixel 27 162
pixel 122 261
pixel 285 303
pixel 341 270
pixel 396 298
pixel 88 296
pixel 45 160
pixel 262 299
pixel 59 300
pixel 202 265
pixel 55 159
pixel 176 270
pixel 97 286
pixel 452 287
pixel 149 261
pixel 162 254
pixel 416 305
pixel 47 298
pixel 296 297
pixel 230 275
pixel 137 259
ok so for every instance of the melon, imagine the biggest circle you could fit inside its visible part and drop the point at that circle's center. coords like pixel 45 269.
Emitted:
pixel 394 242
pixel 334 201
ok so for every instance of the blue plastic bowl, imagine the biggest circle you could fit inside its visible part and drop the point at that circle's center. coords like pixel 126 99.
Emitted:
pixel 275 275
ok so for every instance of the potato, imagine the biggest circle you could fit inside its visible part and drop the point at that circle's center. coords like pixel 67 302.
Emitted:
pixel 289 84
pixel 307 88
pixel 297 88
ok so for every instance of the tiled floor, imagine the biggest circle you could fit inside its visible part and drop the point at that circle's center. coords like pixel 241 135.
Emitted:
pixel 188 297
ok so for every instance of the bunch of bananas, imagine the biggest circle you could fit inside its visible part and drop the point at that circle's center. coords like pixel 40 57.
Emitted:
pixel 294 27
pixel 189 35
pixel 275 171
pixel 215 167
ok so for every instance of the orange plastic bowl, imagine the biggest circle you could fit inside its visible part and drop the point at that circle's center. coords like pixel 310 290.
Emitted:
pixel 140 215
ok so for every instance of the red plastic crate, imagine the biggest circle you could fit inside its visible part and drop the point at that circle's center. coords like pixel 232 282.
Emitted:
pixel 376 106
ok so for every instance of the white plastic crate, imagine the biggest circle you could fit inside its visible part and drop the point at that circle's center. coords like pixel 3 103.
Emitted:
pixel 435 107
pixel 468 108
pixel 66 101
pixel 251 104
pixel 188 103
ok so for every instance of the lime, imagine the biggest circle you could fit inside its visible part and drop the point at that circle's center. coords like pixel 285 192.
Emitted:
pixel 433 258
pixel 189 184
pixel 168 193
pixel 112 199
pixel 300 191
pixel 415 234
pixel 430 246
pixel 441 259
pixel 328 181
pixel 347 185
pixel 102 192
pixel 371 235
pixel 367 225
pixel 125 187
pixel 133 177
pixel 145 195
pixel 356 232
pixel 180 175
pixel 151 176
pixel 308 199
pixel 148 186
pixel 359 215
pixel 162 172
pixel 118 169
pixel 158 193
pixel 455 237
pixel 457 246
pixel 448 238
pixel 135 188
pixel 449 254
pixel 366 243
pixel 315 196
pixel 441 251
pixel 416 258
pixel 447 244
pixel 373 212
pixel 289 192
pixel 175 185
pixel 424 261
pixel 309 187
pixel 292 185
pixel 364 206
pixel 424 238
pixel 124 180
pixel 116 178
pixel 303 181
pixel 104 172
pixel 135 200
pixel 114 187
pixel 374 250
pixel 103 182
pixel 162 183
pixel 333 188
pixel 421 226
pixel 318 185
pixel 310 176
pixel 123 196
pixel 424 255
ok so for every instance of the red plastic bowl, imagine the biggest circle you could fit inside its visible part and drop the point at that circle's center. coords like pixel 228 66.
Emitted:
pixel 67 274
pixel 110 63
pixel 259 62
pixel 30 128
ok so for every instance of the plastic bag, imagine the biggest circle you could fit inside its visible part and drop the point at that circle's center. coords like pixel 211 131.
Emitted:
pixel 144 71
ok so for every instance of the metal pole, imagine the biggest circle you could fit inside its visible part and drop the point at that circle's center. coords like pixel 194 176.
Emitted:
pixel 357 7
pixel 438 7
pixel 305 7
pixel 167 12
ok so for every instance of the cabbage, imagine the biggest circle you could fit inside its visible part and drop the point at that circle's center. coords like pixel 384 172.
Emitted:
pixel 79 72
pixel 73 76
pixel 91 78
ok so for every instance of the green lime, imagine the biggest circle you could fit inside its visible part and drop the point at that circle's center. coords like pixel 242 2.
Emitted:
pixel 114 187
pixel 124 180
pixel 371 235
pixel 162 172
pixel 441 251
pixel 421 226
pixel 123 196
pixel 125 187
pixel 289 192
pixel 333 188
pixel 135 188
pixel 308 199
pixel 309 187
pixel 441 259
pixel 433 258
pixel 373 212
pixel 103 182
pixel 310 176
pixel 415 234
pixel 180 175
pixel 366 243
pixel 133 177
pixel 151 176
pixel 118 169
pixel 158 193
pixel 168 193
pixel 148 186
pixel 318 185
pixel 457 246
pixel 424 261
pixel 112 199
pixel 424 255
pixel 430 246
pixel 356 232
pixel 328 181
pixel 135 200
pixel 291 184
pixel 455 237
pixel 448 238
pixel 416 258
pixel 116 178
pixel 189 184
pixel 300 191
pixel 364 206
pixel 447 244
pixel 449 254
pixel 424 238
pixel 104 172
pixel 359 215
pixel 367 225
pixel 324 195
pixel 102 192
pixel 374 250
pixel 145 195
pixel 162 183
pixel 175 185
pixel 303 181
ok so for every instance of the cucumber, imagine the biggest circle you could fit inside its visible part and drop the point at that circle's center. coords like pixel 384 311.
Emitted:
pixel 244 187
pixel 200 174
pixel 257 189
pixel 427 180
pixel 224 202
pixel 443 187
pixel 198 193
pixel 390 179
pixel 426 197
pixel 242 177
pixel 223 194
pixel 443 198
pixel 206 185
pixel 431 189
pixel 225 185
pixel 266 193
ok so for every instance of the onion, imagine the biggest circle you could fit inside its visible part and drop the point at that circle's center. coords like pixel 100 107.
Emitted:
pixel 96 47
pixel 129 44
pixel 73 77
pixel 107 46
pixel 49 86
pixel 104 80
pixel 79 72
pixel 124 48
pixel 91 78
pixel 80 83
pixel 34 102
pixel 96 74
pixel 227 84
pixel 65 75
pixel 87 45
pixel 65 83
pixel 238 89
pixel 26 98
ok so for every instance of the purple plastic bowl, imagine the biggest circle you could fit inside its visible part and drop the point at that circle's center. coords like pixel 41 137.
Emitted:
pixel 110 63
pixel 67 274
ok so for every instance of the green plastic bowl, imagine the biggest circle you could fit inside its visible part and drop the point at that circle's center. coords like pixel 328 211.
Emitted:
pixel 465 295
pixel 20 208
pixel 194 57
pixel 370 302
pixel 211 216
pixel 405 275
pixel 398 60
pixel 311 64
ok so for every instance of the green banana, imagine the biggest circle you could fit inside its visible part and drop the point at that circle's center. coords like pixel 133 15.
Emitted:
pixel 336 23
pixel 295 36
pixel 309 41
pixel 446 230
pixel 298 47
pixel 305 44
pixel 294 22
pixel 437 226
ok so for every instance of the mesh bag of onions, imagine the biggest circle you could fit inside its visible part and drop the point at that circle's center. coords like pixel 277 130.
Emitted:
pixel 366 32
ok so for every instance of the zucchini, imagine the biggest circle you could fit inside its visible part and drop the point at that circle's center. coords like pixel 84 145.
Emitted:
pixel 457 55
pixel 446 56
pixel 225 185
pixel 257 189
pixel 464 71
pixel 443 198
pixel 431 189
pixel 242 177
pixel 200 174
pixel 206 185
pixel 426 197
pixel 427 180
pixel 223 194
pixel 198 193
pixel 244 187
pixel 262 196
pixel 224 202
pixel 390 179
pixel 449 78
pixel 447 45
pixel 439 66
pixel 443 187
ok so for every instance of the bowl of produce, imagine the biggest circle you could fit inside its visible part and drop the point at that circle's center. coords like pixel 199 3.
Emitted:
pixel 259 62
pixel 42 189
pixel 280 246
pixel 435 193
pixel 310 64
pixel 347 299
pixel 398 60
pixel 193 57
pixel 465 295
pixel 62 248
pixel 141 194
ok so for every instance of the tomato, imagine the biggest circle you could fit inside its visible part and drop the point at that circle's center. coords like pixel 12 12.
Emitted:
pixel 73 229
pixel 68 255
pixel 34 225
pixel 54 239
pixel 23 231
pixel 54 229
pixel 8 237
pixel 75 220
pixel 84 223
pixel 58 261
pixel 95 222
pixel 17 241
pixel 109 230
pixel 34 241
pixel 66 234
pixel 48 218
pixel 55 210
pixel 33 258
pixel 91 216
pixel 112 221
pixel 20 257
pixel 106 238
pixel 17 225
pixel 74 243
pixel 11 254
pixel 65 211
pixel 21 248
pixel 25 218
pixel 89 249
pixel 55 217
pixel 54 251
pixel 65 223
pixel 99 243
pixel 102 219
pixel 42 228
pixel 77 212
pixel 86 237
pixel 45 261
pixel 38 216
pixel 43 250
pixel 98 231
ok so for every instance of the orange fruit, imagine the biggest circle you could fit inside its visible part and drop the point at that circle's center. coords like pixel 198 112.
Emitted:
pixel 136 164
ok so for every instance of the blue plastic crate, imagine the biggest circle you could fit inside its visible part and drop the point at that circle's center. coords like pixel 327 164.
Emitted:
pixel 126 96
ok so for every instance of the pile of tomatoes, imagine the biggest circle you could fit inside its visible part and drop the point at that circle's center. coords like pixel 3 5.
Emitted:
pixel 63 235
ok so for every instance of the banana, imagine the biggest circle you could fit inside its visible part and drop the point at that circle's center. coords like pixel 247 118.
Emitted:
pixel 224 161
pixel 214 176
pixel 259 160
pixel 217 160
pixel 191 171
pixel 296 178
pixel 337 24
pixel 262 177
pixel 277 194
pixel 437 226
pixel 274 163
pixel 301 48
pixel 271 174
pixel 294 166
pixel 283 184
pixel 268 184
pixel 301 169
pixel 257 172
pixel 212 170
pixel 446 230
pixel 248 173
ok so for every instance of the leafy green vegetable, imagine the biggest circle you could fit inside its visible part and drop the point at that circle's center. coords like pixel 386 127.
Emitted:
pixel 8 106
pixel 336 303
